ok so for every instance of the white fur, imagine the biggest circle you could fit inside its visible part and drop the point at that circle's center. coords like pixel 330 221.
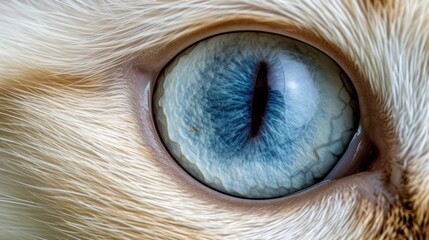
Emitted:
pixel 72 161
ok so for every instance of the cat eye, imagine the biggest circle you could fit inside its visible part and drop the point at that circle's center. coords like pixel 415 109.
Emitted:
pixel 255 115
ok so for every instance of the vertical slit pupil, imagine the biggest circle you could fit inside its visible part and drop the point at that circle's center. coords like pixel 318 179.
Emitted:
pixel 260 98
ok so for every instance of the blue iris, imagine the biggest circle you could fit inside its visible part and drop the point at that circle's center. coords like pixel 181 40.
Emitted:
pixel 254 115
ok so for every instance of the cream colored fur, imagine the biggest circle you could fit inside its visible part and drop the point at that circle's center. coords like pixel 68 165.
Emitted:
pixel 73 164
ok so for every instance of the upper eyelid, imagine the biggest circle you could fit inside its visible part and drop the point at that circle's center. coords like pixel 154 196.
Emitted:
pixel 156 56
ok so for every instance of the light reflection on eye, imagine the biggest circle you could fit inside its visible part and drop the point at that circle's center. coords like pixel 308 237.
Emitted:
pixel 255 115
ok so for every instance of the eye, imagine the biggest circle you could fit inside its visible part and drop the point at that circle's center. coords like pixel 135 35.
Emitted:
pixel 255 115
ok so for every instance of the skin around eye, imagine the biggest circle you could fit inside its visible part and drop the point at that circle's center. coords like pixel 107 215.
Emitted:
pixel 255 115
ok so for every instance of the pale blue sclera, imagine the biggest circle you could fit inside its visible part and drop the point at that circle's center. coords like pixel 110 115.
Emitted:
pixel 203 112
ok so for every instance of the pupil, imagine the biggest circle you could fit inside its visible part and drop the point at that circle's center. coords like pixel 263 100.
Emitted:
pixel 260 98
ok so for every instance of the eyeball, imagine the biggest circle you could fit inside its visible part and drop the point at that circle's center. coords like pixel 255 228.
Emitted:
pixel 255 115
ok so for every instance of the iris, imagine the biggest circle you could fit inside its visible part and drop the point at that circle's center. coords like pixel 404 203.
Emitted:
pixel 254 115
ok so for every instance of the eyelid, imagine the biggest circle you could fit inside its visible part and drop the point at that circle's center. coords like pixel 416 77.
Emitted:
pixel 144 71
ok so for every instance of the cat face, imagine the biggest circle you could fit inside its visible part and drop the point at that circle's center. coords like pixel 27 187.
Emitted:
pixel 79 152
